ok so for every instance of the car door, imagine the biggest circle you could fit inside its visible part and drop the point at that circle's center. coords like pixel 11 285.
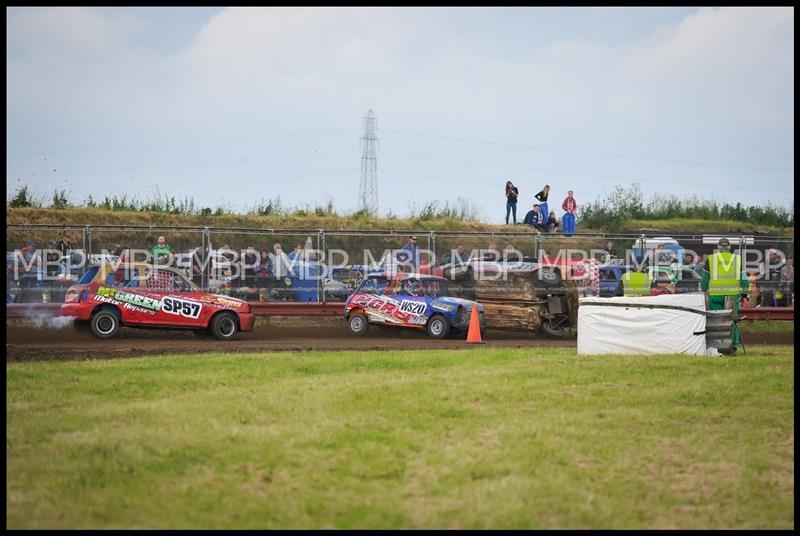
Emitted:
pixel 166 298
pixel 413 303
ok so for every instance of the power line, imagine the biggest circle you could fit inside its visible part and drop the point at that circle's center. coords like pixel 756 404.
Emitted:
pixel 608 155
pixel 548 170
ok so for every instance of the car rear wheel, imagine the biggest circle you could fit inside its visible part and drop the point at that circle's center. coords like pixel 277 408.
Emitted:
pixel 105 323
pixel 223 326
pixel 438 327
pixel 555 327
pixel 358 324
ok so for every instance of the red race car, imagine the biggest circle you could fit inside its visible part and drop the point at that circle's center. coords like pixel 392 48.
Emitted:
pixel 109 296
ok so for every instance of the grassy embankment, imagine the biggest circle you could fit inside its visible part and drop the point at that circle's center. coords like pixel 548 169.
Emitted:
pixel 84 216
pixel 475 438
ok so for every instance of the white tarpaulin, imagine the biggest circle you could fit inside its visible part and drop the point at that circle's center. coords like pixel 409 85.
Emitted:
pixel 605 326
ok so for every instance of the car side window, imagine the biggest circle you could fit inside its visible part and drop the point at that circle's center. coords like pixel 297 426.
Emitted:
pixel 122 277
pixel 433 289
pixel 180 284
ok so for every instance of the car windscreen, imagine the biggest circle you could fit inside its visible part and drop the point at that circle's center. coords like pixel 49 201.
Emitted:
pixel 89 275
pixel 373 284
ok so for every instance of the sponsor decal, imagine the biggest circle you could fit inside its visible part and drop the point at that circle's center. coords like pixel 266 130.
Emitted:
pixel 443 306
pixel 412 307
pixel 104 299
pixel 137 299
pixel 228 302
pixel 384 309
pixel 177 306
pixel 138 309
pixel 420 320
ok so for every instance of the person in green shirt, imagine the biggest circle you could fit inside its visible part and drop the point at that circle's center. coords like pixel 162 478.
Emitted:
pixel 161 251
pixel 725 282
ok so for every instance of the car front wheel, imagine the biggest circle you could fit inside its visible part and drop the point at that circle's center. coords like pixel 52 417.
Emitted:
pixel 358 324
pixel 438 327
pixel 223 326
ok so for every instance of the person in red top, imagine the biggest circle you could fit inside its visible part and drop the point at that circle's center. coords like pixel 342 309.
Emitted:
pixel 569 204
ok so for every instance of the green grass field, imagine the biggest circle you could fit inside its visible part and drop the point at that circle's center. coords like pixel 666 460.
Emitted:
pixel 477 438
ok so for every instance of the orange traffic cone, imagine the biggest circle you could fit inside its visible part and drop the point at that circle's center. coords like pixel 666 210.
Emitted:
pixel 474 333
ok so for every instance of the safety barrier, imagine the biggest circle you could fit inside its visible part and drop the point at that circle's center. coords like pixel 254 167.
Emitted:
pixel 33 310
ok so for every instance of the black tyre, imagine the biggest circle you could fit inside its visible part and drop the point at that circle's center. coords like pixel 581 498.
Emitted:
pixel 438 327
pixel 224 326
pixel 105 323
pixel 358 324
pixel 555 327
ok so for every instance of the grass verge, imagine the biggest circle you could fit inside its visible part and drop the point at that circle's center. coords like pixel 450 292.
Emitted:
pixel 501 438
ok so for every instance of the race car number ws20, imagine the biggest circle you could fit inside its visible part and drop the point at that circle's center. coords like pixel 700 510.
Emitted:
pixel 412 307
pixel 177 306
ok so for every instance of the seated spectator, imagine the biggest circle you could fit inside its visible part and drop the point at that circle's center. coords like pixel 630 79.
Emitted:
pixel 491 253
pixel 552 222
pixel 534 218
pixel 161 251
pixel 511 254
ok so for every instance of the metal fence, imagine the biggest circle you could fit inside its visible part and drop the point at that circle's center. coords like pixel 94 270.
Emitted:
pixel 217 259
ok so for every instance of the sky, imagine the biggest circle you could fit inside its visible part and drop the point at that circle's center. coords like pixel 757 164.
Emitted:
pixel 240 105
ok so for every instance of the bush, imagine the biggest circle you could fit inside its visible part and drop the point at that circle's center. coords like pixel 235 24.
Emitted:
pixel 626 204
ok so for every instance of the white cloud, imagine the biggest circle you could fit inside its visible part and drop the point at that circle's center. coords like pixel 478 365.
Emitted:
pixel 724 64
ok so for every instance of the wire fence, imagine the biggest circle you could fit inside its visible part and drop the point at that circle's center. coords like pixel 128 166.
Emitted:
pixel 314 265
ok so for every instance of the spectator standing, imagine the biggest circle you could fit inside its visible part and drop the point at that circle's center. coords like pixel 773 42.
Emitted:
pixel 29 264
pixel 161 251
pixel 248 264
pixel 569 206
pixel 612 253
pixel 542 198
pixel 787 276
pixel 461 256
pixel 725 282
pixel 65 246
pixel 411 249
pixel 512 192
pixel 280 265
pixel 264 266
pixel 198 258
pixel 116 250
pixel 297 254
pixel 534 218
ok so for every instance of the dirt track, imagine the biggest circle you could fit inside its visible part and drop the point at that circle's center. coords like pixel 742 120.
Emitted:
pixel 27 343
